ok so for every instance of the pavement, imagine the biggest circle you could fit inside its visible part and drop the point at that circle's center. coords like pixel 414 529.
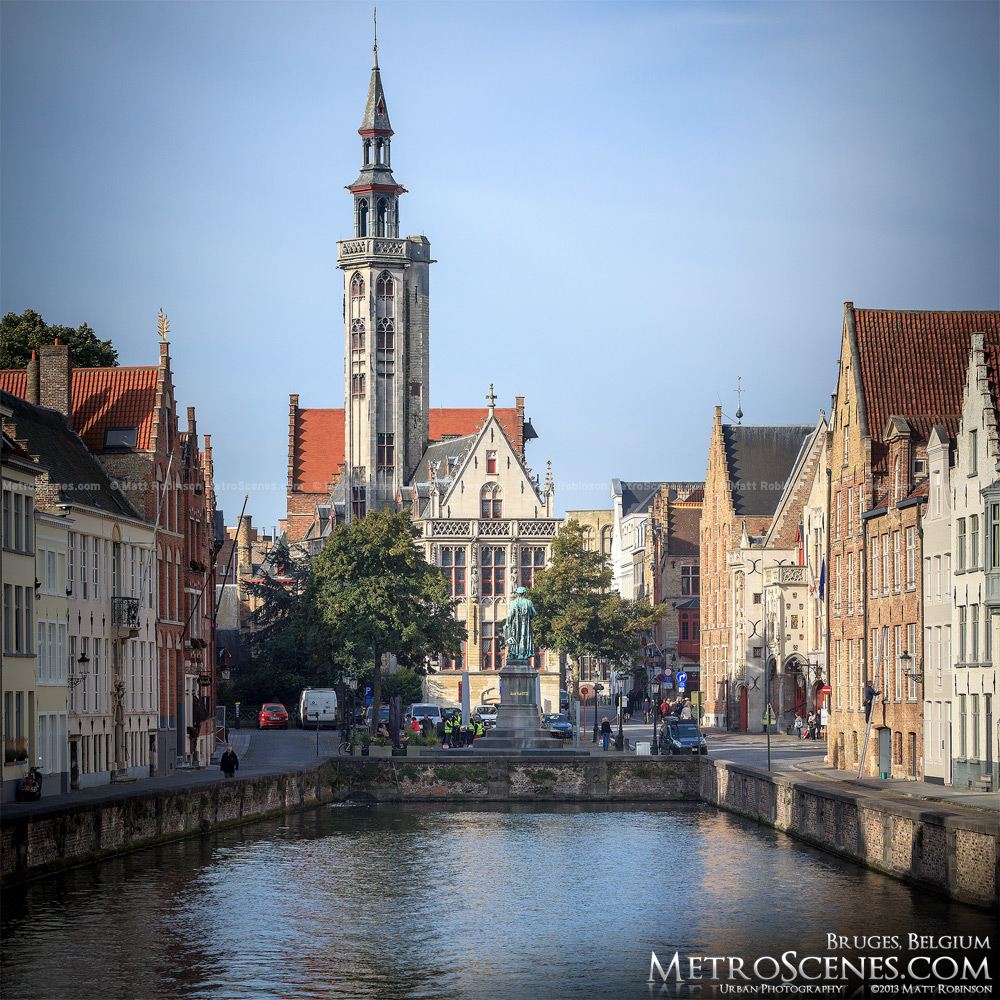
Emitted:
pixel 274 752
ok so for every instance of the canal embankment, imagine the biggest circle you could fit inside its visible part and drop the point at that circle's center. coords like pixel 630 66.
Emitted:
pixel 948 849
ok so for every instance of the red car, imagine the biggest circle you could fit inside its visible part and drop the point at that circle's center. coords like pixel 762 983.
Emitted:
pixel 274 716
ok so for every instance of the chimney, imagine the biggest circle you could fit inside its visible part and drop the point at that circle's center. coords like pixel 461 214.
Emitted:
pixel 31 379
pixel 519 426
pixel 55 376
pixel 244 535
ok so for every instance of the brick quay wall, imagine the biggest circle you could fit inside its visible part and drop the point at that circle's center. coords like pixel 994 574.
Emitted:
pixel 948 850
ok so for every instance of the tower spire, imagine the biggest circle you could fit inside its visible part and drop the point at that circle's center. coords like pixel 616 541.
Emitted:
pixel 375 20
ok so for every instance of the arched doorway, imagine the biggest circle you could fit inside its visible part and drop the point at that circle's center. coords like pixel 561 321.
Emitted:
pixel 744 710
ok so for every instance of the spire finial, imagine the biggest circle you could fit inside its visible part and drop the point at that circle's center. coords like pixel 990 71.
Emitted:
pixel 375 21
pixel 491 399
pixel 739 392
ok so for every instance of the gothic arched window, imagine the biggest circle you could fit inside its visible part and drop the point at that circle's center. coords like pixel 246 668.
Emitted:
pixel 362 221
pixel 491 501
pixel 358 334
pixel 385 335
pixel 381 208
pixel 357 287
pixel 383 293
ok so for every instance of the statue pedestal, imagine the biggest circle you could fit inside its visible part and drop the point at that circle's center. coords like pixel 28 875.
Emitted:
pixel 517 727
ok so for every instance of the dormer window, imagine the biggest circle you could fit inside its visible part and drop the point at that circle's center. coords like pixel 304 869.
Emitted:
pixel 491 462
pixel 121 437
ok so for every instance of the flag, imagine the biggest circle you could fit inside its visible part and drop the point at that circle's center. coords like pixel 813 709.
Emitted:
pixel 822 579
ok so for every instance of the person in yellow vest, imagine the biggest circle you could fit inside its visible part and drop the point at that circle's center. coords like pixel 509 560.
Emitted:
pixel 476 727
pixel 452 728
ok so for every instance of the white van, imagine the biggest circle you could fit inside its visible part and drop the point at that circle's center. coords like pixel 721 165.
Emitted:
pixel 318 700
pixel 433 712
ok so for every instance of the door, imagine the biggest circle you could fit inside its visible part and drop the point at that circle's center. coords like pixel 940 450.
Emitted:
pixel 744 710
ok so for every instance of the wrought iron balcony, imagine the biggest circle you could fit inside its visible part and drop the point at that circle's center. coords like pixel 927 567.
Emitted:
pixel 125 616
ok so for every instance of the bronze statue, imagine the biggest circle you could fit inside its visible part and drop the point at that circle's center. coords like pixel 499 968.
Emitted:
pixel 517 632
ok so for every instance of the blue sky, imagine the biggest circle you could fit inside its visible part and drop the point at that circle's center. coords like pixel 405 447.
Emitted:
pixel 631 204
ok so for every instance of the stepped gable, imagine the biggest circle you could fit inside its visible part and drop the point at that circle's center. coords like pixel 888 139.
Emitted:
pixel 759 459
pixel 914 363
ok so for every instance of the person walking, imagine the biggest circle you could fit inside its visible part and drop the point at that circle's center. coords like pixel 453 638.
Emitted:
pixel 799 723
pixel 645 710
pixel 229 764
pixel 605 732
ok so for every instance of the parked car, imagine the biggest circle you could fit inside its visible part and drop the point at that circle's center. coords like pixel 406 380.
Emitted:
pixel 318 706
pixel 383 717
pixel 273 715
pixel 419 710
pixel 681 736
pixel 487 715
pixel 558 725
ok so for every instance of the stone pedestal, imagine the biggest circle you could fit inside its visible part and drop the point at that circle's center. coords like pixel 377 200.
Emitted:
pixel 517 727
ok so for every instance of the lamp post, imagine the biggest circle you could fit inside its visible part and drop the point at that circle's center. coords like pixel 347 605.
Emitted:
pixel 352 686
pixel 317 732
pixel 654 748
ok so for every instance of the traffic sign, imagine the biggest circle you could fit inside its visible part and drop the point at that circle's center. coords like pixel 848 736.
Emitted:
pixel 826 690
pixel 682 678
pixel 665 676
pixel 584 691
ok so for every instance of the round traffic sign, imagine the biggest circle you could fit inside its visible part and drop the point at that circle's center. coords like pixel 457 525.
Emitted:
pixel 826 690
pixel 585 691
pixel 681 677
pixel 663 677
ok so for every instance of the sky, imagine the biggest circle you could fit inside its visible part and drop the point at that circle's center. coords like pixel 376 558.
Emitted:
pixel 631 205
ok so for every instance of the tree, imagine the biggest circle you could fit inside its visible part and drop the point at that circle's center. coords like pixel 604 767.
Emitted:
pixel 405 683
pixel 576 614
pixel 376 594
pixel 20 335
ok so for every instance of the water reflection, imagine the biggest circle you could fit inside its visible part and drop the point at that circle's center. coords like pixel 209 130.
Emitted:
pixel 444 902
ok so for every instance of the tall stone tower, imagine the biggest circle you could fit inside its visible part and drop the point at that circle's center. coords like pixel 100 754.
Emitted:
pixel 386 342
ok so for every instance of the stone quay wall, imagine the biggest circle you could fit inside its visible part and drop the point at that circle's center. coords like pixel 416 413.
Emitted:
pixel 951 851
pixel 948 850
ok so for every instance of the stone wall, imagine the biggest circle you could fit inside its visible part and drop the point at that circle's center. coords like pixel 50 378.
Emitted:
pixel 948 850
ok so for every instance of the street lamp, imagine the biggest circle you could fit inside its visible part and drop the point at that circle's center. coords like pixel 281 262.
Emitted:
pixel 911 674
pixel 352 686
pixel 654 748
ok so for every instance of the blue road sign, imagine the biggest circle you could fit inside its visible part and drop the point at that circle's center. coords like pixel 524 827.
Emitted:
pixel 368 695
pixel 682 678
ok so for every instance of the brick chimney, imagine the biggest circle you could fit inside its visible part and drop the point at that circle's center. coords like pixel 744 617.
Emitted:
pixel 519 427
pixel 55 376
pixel 31 379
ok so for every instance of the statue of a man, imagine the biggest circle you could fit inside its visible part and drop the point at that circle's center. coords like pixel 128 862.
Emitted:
pixel 517 629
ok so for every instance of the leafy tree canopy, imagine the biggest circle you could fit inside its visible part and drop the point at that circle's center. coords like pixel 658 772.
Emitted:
pixel 576 614
pixel 20 335
pixel 373 590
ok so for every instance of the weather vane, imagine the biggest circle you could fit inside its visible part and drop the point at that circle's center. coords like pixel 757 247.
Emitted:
pixel 162 325
pixel 739 390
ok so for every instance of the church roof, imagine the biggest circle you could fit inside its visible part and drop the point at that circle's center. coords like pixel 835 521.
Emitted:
pixel 318 440
pixel 376 116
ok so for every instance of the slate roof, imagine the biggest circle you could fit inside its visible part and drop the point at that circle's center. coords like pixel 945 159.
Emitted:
pixel 376 117
pixel 78 475
pixel 759 460
pixel 103 398
pixel 435 453
pixel 683 525
pixel 914 364
pixel 638 496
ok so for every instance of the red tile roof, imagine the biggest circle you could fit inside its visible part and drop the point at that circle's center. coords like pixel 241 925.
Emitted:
pixel 114 397
pixel 914 364
pixel 103 398
pixel 318 442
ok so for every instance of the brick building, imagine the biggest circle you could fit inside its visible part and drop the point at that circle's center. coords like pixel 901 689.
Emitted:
pixel 901 373
pixel 128 417
pixel 748 471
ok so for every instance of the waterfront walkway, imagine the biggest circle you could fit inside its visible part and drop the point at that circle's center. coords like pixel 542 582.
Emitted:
pixel 273 752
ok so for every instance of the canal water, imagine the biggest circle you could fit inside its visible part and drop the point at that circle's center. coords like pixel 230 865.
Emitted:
pixel 463 903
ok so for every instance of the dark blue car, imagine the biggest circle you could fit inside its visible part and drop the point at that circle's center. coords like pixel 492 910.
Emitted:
pixel 558 725
pixel 681 736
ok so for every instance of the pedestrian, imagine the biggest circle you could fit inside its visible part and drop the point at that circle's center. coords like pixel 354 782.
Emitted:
pixel 870 695
pixel 230 763
pixel 799 723
pixel 810 725
pixel 426 726
pixel 475 727
pixel 814 728
pixel 605 732
pixel 686 710
pixel 645 710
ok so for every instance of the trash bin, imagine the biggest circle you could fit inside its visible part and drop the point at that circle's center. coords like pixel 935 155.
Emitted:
pixel 642 748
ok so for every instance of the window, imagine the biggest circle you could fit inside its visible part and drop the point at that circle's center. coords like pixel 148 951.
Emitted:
pixel 962 619
pixel 492 656
pixel 758 652
pixel 18 633
pixel 837 576
pixel 885 564
pixel 974 633
pixel 8 608
pixel 415 389
pixel 911 645
pixel 532 560
pixel 97 569
pixel 874 572
pixel 895 561
pixel 385 335
pixel 493 561
pixel 973 457
pixel 850 510
pixel 690 580
pixel 840 496
pixel 454 662
pixel 756 598
pixel 911 557
pixel 453 564
pixel 358 384
pixel 850 583
pixel 960 549
pixel 963 738
pixel 974 719
pixel 42 674
pixel 491 462
pixel 17 521
pixel 491 501
pixel 384 457
pixel 384 293
pixel 357 334
pixel 358 501
pixel 898 642
pixel 973 541
pixel 121 437
pixel 6 526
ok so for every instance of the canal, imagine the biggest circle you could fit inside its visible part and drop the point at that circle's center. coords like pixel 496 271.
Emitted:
pixel 384 902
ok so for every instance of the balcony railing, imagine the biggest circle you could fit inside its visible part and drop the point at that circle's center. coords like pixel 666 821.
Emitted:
pixel 784 574
pixel 125 612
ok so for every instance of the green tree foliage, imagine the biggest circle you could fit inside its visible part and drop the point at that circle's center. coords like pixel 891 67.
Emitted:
pixel 373 590
pixel 406 683
pixel 20 335
pixel 576 614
